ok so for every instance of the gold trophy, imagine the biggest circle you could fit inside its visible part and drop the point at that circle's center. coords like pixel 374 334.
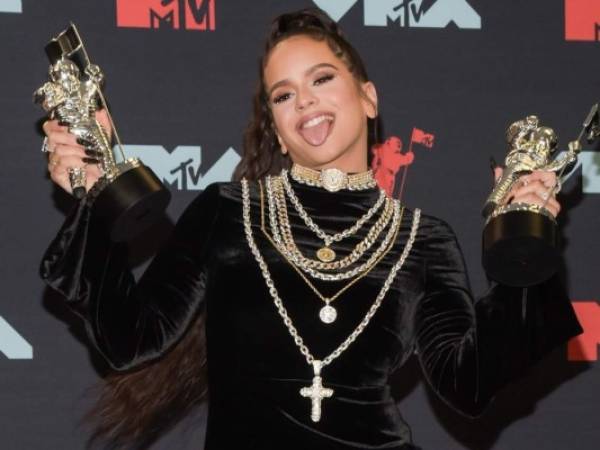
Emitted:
pixel 520 241
pixel 128 197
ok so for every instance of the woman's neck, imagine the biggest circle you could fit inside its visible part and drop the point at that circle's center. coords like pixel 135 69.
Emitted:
pixel 346 165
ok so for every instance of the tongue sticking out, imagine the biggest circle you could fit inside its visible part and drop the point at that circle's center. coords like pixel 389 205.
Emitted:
pixel 317 134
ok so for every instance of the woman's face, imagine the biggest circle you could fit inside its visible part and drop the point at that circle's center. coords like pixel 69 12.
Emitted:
pixel 319 109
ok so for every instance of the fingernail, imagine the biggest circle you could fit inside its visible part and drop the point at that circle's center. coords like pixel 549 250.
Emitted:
pixel 84 142
pixel 63 123
pixel 90 160
pixel 93 153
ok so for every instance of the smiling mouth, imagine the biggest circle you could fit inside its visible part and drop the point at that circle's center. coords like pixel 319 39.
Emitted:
pixel 317 129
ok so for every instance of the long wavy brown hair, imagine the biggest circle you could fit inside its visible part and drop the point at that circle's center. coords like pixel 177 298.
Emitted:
pixel 134 408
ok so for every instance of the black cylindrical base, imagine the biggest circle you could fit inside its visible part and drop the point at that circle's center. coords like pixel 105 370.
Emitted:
pixel 131 203
pixel 520 248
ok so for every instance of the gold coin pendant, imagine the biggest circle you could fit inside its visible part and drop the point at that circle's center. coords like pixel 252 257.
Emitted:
pixel 325 254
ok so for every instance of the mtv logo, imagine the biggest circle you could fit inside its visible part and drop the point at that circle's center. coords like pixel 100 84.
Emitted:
pixel 590 172
pixel 181 167
pixel 11 6
pixel 585 346
pixel 175 14
pixel 414 14
pixel 12 344
pixel 408 13
pixel 582 20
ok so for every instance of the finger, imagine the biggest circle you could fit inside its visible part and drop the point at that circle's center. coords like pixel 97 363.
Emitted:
pixel 61 164
pixel 498 173
pixel 535 187
pixel 62 179
pixel 53 125
pixel 102 118
pixel 533 198
pixel 69 150
pixel 547 178
pixel 513 191
pixel 59 172
pixel 61 137
pixel 553 206
pixel 530 199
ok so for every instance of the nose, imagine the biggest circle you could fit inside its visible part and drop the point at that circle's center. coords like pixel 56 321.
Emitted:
pixel 304 99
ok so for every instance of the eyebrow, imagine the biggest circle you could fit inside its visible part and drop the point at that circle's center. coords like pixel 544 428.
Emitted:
pixel 306 73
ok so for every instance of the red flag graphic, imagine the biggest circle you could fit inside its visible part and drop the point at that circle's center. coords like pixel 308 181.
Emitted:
pixel 420 137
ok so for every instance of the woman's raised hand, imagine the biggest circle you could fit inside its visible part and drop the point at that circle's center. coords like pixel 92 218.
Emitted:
pixel 535 188
pixel 65 150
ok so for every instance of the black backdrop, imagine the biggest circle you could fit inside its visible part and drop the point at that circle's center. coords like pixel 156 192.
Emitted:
pixel 180 94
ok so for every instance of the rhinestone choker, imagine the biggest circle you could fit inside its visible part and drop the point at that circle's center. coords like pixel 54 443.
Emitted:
pixel 333 179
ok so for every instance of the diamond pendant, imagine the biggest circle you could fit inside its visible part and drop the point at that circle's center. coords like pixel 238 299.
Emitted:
pixel 333 179
pixel 316 392
pixel 325 254
pixel 328 314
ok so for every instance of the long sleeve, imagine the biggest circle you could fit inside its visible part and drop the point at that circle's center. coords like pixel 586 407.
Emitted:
pixel 469 350
pixel 131 323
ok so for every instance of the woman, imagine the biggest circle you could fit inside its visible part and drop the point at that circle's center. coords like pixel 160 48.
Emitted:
pixel 316 285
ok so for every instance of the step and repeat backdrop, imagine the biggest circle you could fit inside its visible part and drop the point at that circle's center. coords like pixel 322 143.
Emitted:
pixel 451 76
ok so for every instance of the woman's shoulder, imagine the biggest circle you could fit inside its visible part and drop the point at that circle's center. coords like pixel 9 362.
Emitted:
pixel 224 194
pixel 429 226
pixel 229 190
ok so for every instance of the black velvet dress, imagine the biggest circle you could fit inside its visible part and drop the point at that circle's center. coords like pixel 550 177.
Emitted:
pixel 467 349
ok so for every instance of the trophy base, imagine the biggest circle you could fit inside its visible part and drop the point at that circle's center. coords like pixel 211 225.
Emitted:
pixel 130 203
pixel 520 248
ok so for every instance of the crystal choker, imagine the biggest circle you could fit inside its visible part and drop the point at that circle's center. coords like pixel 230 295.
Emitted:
pixel 333 179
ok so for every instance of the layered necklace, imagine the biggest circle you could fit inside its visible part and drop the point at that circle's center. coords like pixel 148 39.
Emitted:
pixel 328 313
pixel 325 254
pixel 283 242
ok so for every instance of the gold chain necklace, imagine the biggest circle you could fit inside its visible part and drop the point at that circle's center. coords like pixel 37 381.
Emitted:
pixel 330 276
pixel 317 392
pixel 275 192
pixel 327 314
pixel 325 253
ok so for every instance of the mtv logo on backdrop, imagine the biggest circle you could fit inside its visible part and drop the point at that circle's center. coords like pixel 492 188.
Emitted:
pixel 174 14
pixel 582 20
pixel 590 172
pixel 585 346
pixel 408 13
pixel 11 6
pixel 181 167
pixel 12 344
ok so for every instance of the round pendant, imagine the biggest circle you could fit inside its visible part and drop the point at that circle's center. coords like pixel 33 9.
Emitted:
pixel 333 179
pixel 328 314
pixel 325 254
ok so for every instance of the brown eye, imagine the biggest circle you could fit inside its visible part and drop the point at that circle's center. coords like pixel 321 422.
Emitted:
pixel 323 79
pixel 281 98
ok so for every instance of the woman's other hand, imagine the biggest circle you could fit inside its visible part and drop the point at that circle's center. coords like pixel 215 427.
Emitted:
pixel 534 189
pixel 66 151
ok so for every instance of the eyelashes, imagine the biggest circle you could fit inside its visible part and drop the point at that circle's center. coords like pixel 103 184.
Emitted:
pixel 323 79
pixel 318 82
pixel 281 98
